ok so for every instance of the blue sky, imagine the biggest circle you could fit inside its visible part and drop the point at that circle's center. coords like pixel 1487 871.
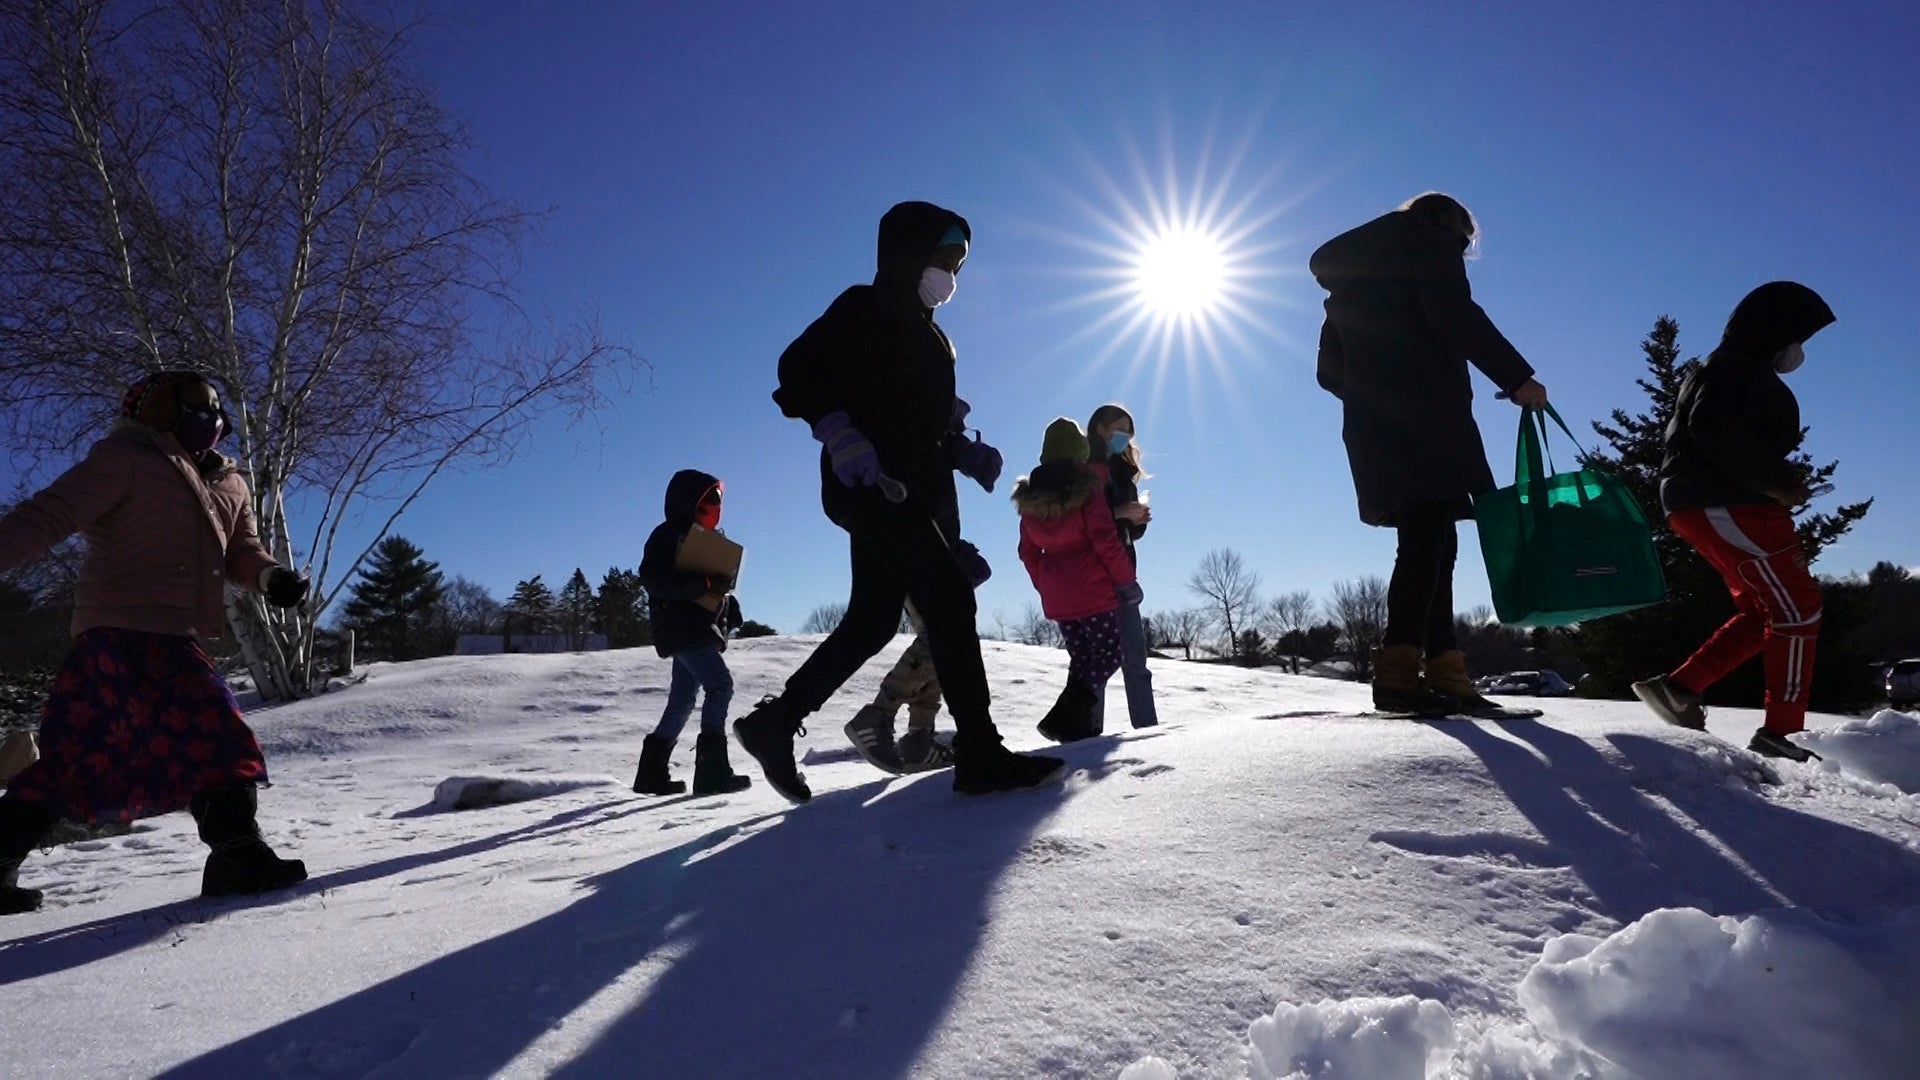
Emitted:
pixel 717 171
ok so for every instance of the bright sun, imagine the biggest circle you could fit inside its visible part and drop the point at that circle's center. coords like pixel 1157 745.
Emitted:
pixel 1181 273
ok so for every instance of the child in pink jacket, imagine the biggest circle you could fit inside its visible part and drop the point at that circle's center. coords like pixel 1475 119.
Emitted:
pixel 1073 552
pixel 139 723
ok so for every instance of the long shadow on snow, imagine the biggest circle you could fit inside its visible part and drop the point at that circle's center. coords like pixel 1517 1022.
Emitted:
pixel 69 947
pixel 1841 873
pixel 829 946
pixel 1628 850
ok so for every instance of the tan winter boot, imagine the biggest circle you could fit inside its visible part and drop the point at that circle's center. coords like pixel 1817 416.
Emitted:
pixel 1396 682
pixel 1446 675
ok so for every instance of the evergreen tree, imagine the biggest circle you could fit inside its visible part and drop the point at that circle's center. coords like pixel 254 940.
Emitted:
pixel 530 609
pixel 752 629
pixel 1623 648
pixel 574 610
pixel 393 601
pixel 620 610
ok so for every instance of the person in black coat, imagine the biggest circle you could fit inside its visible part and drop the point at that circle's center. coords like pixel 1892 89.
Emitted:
pixel 1729 486
pixel 874 378
pixel 692 615
pixel 1401 328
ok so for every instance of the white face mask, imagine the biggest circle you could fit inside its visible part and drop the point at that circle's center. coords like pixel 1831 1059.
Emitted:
pixel 936 286
pixel 1789 358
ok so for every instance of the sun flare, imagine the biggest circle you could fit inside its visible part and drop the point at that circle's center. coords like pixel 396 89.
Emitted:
pixel 1181 273
pixel 1179 258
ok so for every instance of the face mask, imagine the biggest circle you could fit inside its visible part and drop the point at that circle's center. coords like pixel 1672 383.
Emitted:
pixel 707 515
pixel 1789 358
pixel 198 430
pixel 936 286
pixel 1118 442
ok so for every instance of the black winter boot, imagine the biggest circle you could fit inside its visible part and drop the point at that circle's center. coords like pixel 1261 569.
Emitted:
pixel 651 777
pixel 241 863
pixel 767 734
pixel 1071 718
pixel 712 773
pixel 22 826
pixel 981 772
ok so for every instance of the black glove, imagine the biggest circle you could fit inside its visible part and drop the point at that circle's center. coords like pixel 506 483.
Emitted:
pixel 1130 593
pixel 283 587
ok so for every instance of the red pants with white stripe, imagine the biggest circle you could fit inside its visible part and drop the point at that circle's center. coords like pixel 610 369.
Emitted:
pixel 1758 553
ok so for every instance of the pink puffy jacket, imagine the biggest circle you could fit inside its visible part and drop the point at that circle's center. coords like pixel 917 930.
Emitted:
pixel 162 540
pixel 1069 543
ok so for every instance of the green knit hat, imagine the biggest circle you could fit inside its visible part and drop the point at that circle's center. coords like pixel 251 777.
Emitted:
pixel 1064 442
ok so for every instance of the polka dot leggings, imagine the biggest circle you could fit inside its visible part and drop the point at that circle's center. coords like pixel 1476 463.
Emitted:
pixel 1093 648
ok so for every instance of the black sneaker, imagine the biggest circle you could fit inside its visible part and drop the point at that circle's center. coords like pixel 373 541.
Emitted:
pixel 1671 703
pixel 1769 743
pixel 767 735
pixel 871 732
pixel 15 900
pixel 1001 769
pixel 921 751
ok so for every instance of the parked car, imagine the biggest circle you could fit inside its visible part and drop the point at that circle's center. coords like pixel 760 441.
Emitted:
pixel 1903 684
pixel 1532 683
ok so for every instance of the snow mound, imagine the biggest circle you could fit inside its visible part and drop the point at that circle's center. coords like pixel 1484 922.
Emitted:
pixel 1359 1039
pixel 1149 1068
pixel 1884 748
pixel 1682 993
pixel 478 792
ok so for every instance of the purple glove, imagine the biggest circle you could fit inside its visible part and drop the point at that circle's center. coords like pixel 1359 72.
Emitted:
pixel 853 457
pixel 974 563
pixel 978 460
pixel 1130 593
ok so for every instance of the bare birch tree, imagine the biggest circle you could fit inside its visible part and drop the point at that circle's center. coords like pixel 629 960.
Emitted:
pixel 1231 591
pixel 266 193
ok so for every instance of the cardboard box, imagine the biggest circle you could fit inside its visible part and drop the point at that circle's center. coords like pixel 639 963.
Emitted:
pixel 705 551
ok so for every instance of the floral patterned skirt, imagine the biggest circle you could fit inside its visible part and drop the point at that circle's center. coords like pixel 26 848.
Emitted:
pixel 136 725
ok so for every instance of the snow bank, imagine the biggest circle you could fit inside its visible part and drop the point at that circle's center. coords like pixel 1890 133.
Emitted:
pixel 476 792
pixel 1149 1068
pixel 1682 993
pixel 1361 1039
pixel 1884 748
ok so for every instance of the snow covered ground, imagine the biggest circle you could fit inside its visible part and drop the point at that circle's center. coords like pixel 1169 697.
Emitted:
pixel 1262 887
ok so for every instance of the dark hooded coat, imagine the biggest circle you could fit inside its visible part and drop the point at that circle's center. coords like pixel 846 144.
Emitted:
pixel 1401 328
pixel 680 623
pixel 1735 424
pixel 878 356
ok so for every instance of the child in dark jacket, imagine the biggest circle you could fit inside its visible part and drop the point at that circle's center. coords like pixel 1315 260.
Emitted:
pixel 1730 485
pixel 693 635
pixel 1072 551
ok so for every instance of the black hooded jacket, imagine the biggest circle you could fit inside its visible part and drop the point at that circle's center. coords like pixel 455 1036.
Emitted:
pixel 1735 423
pixel 1401 328
pixel 878 356
pixel 679 623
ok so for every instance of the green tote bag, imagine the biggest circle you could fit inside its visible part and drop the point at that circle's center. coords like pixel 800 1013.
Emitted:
pixel 1562 548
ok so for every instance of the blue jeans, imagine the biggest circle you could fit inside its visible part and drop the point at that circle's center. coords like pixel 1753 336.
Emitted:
pixel 1133 670
pixel 699 669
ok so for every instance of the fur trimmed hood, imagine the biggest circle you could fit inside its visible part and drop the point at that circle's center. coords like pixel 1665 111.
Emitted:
pixel 1055 490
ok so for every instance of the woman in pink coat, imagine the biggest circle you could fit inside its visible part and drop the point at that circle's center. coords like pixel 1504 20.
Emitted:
pixel 139 723
pixel 1073 553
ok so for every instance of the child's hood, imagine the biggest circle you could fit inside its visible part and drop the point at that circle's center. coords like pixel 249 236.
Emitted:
pixel 1772 317
pixel 1055 490
pixel 684 493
